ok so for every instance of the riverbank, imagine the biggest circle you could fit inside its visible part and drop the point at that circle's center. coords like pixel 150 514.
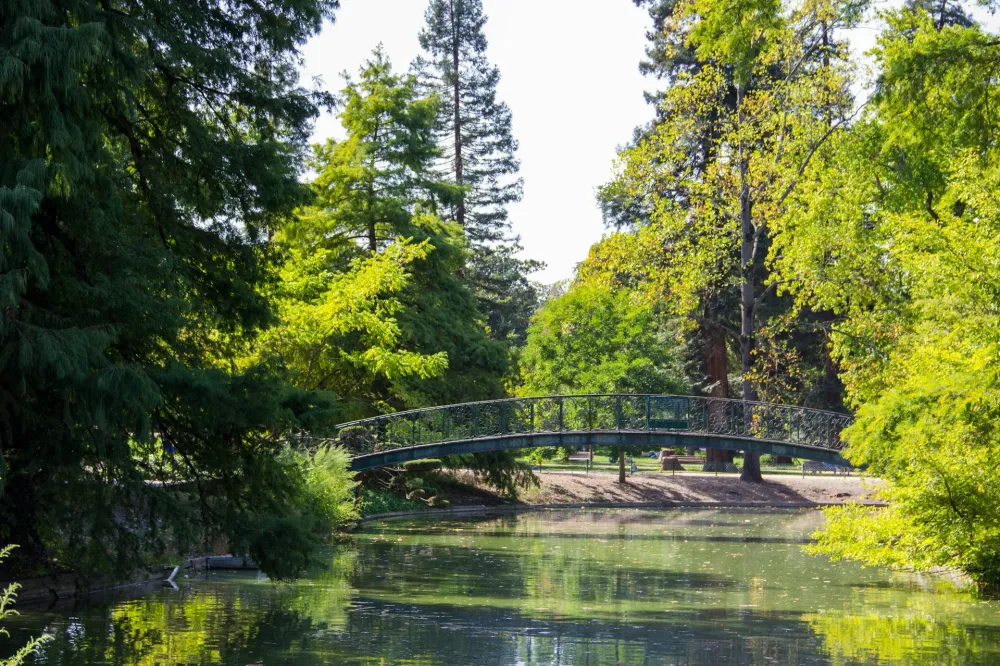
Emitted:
pixel 691 487
pixel 555 490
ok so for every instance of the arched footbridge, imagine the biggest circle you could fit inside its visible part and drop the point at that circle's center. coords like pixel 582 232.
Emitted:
pixel 652 421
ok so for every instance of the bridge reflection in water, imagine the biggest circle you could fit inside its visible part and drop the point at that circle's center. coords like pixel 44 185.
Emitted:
pixel 580 420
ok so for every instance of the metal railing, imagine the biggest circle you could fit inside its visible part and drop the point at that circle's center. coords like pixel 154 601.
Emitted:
pixel 593 413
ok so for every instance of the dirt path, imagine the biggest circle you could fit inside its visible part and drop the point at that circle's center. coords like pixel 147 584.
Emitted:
pixel 567 488
pixel 570 488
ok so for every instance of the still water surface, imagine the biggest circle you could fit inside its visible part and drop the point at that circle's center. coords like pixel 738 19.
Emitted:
pixel 567 587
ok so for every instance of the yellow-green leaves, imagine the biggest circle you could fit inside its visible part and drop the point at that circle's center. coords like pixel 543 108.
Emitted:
pixel 598 339
pixel 895 229
pixel 338 330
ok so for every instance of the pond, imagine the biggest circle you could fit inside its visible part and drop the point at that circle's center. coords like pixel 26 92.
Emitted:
pixel 554 587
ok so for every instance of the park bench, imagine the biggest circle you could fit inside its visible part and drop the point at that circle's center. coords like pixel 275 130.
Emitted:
pixel 816 467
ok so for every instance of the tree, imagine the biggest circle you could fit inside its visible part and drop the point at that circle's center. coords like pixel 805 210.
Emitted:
pixel 374 310
pixel 474 130
pixel 369 185
pixel 767 89
pixel 597 340
pixel 146 152
pixel 895 229
pixel 370 304
pixel 338 331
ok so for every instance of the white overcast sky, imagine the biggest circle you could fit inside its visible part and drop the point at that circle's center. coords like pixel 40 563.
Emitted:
pixel 569 72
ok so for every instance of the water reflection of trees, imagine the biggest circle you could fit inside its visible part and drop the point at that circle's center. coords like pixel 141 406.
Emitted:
pixel 928 632
pixel 568 591
pixel 235 620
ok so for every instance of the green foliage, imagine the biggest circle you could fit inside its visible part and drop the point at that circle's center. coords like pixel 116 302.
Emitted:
pixel 541 454
pixel 754 89
pixel 331 486
pixel 368 184
pixel 593 339
pixel 146 153
pixel 383 501
pixel 895 231
pixel 339 331
pixel 386 323
pixel 597 340
pixel 7 597
pixel 422 465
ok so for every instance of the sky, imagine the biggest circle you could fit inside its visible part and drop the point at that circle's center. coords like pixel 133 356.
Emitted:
pixel 570 74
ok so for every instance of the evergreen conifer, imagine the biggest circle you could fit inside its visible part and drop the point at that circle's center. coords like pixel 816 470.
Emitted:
pixel 147 150
pixel 474 131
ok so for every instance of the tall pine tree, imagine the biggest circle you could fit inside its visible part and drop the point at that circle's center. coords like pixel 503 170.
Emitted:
pixel 474 130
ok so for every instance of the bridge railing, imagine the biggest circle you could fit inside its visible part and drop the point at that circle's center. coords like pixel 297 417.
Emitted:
pixel 593 413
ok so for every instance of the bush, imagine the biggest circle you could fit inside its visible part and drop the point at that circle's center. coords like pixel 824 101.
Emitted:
pixel 422 465
pixel 382 501
pixel 331 487
pixel 542 454
pixel 6 601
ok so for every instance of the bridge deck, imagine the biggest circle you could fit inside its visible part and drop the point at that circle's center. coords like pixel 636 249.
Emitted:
pixel 579 420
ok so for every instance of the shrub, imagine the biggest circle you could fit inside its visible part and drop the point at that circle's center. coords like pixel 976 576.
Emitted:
pixel 6 601
pixel 382 501
pixel 422 465
pixel 331 487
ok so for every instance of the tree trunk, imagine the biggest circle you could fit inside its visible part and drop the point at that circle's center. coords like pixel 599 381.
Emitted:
pixel 457 110
pixel 717 371
pixel 621 464
pixel 751 459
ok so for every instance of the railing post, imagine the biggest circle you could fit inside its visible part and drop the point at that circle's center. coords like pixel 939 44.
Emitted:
pixel 618 412
pixel 560 413
pixel 829 430
pixel 444 424
pixel 531 417
pixel 646 427
pixel 413 430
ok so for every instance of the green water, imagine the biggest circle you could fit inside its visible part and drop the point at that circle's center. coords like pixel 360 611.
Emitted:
pixel 571 587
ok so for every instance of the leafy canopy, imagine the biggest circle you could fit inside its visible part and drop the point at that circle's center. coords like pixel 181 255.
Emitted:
pixel 895 231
